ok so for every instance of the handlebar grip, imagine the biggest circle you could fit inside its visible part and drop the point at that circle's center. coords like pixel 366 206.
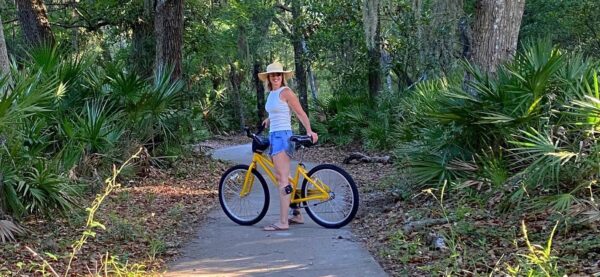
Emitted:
pixel 260 129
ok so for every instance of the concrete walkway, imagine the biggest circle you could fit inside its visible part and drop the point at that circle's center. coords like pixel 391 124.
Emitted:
pixel 223 248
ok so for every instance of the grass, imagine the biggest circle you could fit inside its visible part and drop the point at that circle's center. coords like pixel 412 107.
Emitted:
pixel 400 248
pixel 537 260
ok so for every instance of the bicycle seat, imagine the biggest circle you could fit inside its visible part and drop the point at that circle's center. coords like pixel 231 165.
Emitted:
pixel 305 141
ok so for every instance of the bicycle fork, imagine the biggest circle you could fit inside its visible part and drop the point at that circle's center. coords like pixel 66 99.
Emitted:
pixel 248 180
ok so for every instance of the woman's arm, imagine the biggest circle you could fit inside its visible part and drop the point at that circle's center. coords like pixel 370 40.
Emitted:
pixel 288 95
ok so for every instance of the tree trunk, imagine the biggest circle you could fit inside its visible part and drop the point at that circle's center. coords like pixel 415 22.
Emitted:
pixel 372 35
pixel 465 38
pixel 447 16
pixel 496 32
pixel 300 71
pixel 143 41
pixel 34 21
pixel 386 62
pixel 235 80
pixel 312 80
pixel 74 31
pixel 168 28
pixel 260 92
pixel 2 203
pixel 142 48
pixel 311 77
pixel 4 62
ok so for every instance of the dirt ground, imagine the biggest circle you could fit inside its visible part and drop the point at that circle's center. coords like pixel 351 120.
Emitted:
pixel 156 211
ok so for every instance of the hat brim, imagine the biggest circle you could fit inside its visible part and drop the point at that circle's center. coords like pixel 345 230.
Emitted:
pixel 286 75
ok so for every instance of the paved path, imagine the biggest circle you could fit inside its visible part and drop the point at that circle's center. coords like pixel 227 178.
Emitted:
pixel 223 248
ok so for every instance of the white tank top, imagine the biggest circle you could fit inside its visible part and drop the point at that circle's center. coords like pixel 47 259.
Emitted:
pixel 279 112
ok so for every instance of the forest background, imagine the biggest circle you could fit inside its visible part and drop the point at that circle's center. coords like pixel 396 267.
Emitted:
pixel 494 102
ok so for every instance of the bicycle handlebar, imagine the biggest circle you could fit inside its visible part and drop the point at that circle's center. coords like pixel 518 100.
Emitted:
pixel 250 135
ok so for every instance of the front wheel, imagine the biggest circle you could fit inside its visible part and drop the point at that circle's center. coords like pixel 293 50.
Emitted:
pixel 243 209
pixel 342 205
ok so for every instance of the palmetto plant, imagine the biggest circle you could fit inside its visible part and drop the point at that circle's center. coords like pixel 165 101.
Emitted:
pixel 41 190
pixel 160 104
pixel 96 127
pixel 211 109
pixel 62 110
pixel 543 108
pixel 151 108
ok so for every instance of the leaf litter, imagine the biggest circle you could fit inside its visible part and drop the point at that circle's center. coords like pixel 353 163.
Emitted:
pixel 151 218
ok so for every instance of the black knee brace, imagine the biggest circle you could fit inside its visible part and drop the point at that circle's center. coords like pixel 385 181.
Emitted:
pixel 287 189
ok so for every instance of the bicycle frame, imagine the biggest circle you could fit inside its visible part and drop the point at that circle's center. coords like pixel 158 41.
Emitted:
pixel 321 191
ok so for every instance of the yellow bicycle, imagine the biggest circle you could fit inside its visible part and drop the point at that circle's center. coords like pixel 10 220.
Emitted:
pixel 328 193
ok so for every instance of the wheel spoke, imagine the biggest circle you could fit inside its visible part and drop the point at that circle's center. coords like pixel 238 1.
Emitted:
pixel 340 210
pixel 248 209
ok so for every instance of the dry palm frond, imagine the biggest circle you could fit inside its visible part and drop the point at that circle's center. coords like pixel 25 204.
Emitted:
pixel 587 211
pixel 461 165
pixel 473 183
pixel 8 230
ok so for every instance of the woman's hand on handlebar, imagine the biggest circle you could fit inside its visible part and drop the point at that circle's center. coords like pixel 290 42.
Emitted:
pixel 313 136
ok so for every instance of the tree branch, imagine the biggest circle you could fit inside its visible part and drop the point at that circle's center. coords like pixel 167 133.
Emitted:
pixel 283 7
pixel 89 27
pixel 593 30
pixel 284 28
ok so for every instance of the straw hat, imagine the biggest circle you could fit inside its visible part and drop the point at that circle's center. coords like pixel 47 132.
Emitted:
pixel 275 67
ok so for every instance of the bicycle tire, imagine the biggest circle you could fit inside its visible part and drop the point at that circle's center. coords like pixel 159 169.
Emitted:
pixel 253 207
pixel 322 211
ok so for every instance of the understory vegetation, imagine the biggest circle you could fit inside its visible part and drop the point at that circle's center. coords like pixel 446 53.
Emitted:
pixel 64 117
pixel 520 144
pixel 507 160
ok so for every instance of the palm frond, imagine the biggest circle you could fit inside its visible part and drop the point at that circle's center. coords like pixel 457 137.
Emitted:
pixel 9 229
pixel 540 154
pixel 557 203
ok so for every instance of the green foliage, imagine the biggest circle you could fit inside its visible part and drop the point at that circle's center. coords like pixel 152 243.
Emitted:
pixel 43 191
pixel 401 248
pixel 344 118
pixel 63 112
pixel 571 23
pixel 541 109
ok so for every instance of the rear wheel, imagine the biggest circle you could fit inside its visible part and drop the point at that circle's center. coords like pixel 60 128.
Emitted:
pixel 342 205
pixel 248 209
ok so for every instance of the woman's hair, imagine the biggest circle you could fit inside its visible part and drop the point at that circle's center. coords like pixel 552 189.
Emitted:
pixel 267 83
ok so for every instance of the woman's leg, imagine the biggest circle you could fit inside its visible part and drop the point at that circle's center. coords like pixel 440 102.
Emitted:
pixel 282 166
pixel 297 217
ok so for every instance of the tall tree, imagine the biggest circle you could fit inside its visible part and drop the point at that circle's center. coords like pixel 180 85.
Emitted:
pixel 296 34
pixel 34 21
pixel 260 91
pixel 4 62
pixel 373 38
pixel 496 32
pixel 142 40
pixel 298 42
pixel 235 79
pixel 447 15
pixel 168 29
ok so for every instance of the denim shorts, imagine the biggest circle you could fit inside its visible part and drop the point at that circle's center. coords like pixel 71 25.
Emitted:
pixel 280 141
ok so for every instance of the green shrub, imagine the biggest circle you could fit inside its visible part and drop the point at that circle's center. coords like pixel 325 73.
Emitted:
pixel 542 110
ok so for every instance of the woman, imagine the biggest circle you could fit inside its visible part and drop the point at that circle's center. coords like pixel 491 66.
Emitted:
pixel 280 101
